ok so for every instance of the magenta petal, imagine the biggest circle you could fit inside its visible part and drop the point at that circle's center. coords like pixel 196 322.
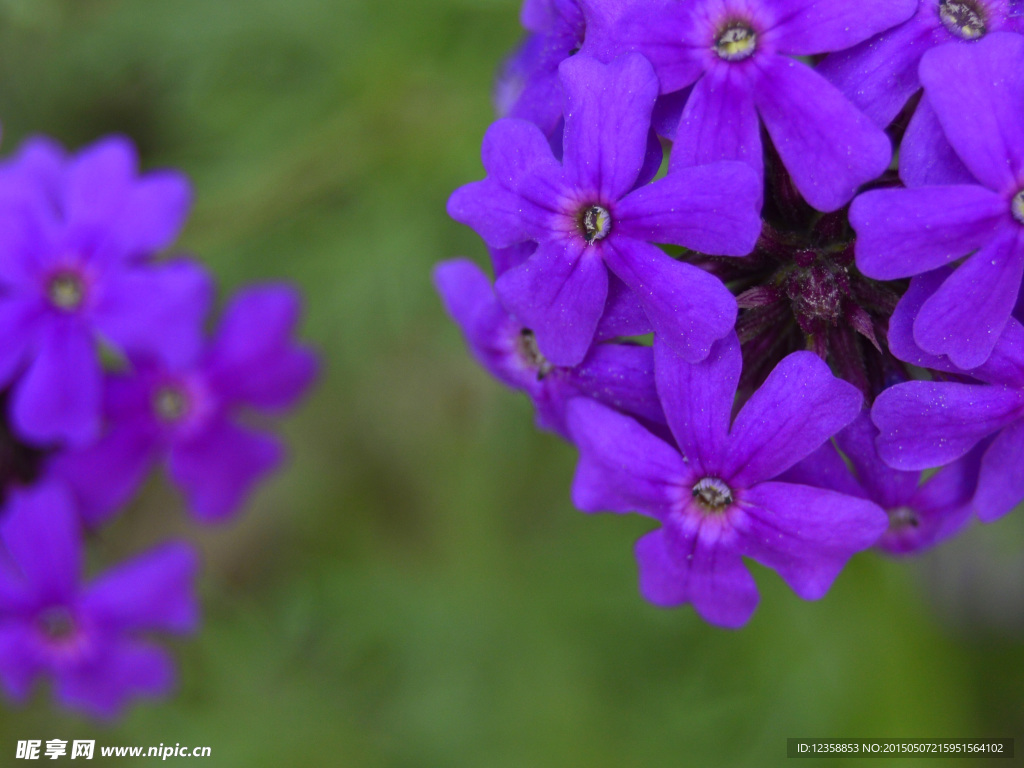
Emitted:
pixel 623 313
pixel 127 669
pixel 41 532
pixel 688 307
pixel 622 466
pixel 619 375
pixel 19 659
pixel 713 577
pixel 58 399
pixel 18 323
pixel 98 181
pixel 558 293
pixel 926 156
pixel 608 116
pixel 1001 482
pixel 517 155
pixel 811 27
pixel 977 92
pixel 827 145
pixel 153 214
pixel 901 324
pixel 719 122
pixel 104 475
pixel 501 217
pixel 880 75
pixel 884 485
pixel 154 591
pixel 924 424
pixel 219 469
pixel 672 45
pixel 713 209
pixel 807 534
pixel 799 406
pixel 158 310
pixel 933 226
pixel 253 358
pixel 698 399
pixel 965 316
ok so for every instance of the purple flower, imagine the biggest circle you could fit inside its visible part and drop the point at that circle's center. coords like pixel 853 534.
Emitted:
pixel 619 375
pixel 978 95
pixel 188 413
pixel 588 217
pixel 75 234
pixel 528 86
pixel 920 514
pixel 739 58
pixel 89 638
pixel 880 75
pixel 926 424
pixel 714 493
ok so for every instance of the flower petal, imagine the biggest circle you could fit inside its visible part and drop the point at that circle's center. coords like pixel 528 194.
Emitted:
pixel 977 92
pixel 712 577
pixel 933 226
pixel 220 468
pixel 622 466
pixel 607 119
pixel 154 591
pixel 558 293
pixel 126 669
pixel 1001 483
pixel 713 209
pixel 811 27
pixel 58 398
pixel 924 424
pixel 807 534
pixel 41 532
pixel 827 145
pixel 621 376
pixel 688 307
pixel 719 122
pixel 698 399
pixel 799 406
pixel 965 316
pixel 926 156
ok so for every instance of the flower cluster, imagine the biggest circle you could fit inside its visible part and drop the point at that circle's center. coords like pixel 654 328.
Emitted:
pixel 106 368
pixel 761 262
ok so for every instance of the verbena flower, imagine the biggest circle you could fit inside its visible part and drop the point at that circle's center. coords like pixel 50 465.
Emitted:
pixel 589 216
pixel 927 424
pixel 740 57
pixel 618 375
pixel 978 95
pixel 880 76
pixel 908 294
pixel 923 511
pixel 91 639
pixel 715 492
pixel 76 235
pixel 188 414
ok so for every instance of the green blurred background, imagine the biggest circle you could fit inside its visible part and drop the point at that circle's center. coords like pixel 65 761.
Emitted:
pixel 416 589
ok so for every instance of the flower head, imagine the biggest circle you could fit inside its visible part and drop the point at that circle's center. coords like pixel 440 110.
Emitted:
pixel 88 638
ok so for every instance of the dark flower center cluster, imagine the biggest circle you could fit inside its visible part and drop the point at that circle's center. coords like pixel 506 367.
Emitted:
pixel 594 223
pixel 962 18
pixel 736 42
pixel 712 494
pixel 531 353
pixel 66 291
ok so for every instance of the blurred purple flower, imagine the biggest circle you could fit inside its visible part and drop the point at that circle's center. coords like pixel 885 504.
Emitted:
pixel 188 413
pixel 89 638
pixel 713 492
pixel 75 236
